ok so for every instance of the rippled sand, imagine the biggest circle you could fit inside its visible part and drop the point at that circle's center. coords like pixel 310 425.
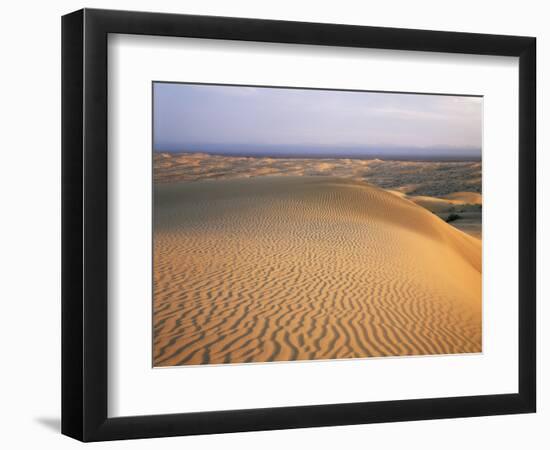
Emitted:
pixel 309 267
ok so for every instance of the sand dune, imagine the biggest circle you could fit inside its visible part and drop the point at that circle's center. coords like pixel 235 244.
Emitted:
pixel 442 187
pixel 447 203
pixel 464 206
pixel 430 178
pixel 298 268
pixel 472 198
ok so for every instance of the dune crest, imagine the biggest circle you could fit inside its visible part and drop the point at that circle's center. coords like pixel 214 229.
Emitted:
pixel 299 268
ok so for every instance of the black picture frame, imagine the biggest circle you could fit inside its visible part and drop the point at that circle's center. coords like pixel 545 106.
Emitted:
pixel 84 224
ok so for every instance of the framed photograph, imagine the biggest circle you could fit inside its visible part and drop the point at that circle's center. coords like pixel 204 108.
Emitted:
pixel 273 224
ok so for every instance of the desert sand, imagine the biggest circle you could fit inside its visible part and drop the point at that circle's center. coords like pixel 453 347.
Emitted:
pixel 446 188
pixel 275 268
pixel 463 207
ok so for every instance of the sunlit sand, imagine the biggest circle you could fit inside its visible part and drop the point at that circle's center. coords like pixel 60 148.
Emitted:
pixel 308 266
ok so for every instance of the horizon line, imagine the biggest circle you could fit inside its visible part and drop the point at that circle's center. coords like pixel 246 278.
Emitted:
pixel 394 157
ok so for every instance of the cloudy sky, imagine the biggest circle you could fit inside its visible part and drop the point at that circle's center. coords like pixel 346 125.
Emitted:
pixel 298 122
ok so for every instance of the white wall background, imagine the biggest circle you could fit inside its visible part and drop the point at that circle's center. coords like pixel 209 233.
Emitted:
pixel 30 221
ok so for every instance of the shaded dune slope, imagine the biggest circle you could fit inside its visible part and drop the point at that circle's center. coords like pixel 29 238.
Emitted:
pixel 298 268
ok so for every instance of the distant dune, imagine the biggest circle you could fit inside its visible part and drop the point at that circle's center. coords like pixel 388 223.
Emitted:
pixel 307 267
pixel 442 187
pixel 465 197
pixel 431 178
pixel 464 207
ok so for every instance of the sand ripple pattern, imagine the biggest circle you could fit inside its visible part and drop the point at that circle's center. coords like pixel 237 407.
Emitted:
pixel 306 268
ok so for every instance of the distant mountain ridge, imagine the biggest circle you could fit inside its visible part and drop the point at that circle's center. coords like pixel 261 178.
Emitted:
pixel 396 153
